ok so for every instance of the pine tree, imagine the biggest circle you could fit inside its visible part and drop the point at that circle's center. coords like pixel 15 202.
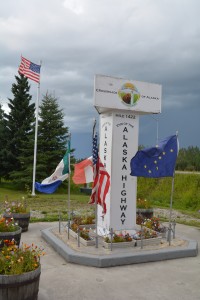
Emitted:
pixel 20 130
pixel 52 137
pixel 3 142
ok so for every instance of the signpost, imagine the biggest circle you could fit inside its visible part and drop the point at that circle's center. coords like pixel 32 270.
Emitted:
pixel 119 103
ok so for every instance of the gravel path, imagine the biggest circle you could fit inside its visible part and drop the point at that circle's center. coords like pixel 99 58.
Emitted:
pixel 176 215
pixel 158 212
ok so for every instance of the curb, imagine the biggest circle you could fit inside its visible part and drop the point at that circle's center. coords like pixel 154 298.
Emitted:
pixel 116 259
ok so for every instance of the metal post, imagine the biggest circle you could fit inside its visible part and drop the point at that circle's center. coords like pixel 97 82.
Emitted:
pixel 59 222
pixel 171 199
pixel 169 233
pixel 111 238
pixel 170 212
pixel 141 236
pixel 68 227
pixel 78 236
pixel 174 225
pixel 69 145
pixel 96 235
pixel 35 144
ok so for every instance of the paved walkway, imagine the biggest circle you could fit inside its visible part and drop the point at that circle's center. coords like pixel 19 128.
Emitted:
pixel 172 279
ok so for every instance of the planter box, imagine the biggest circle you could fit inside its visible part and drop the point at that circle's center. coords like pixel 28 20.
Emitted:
pixel 72 233
pixel 82 241
pixel 134 243
pixel 24 286
pixel 87 243
pixel 144 213
pixel 22 219
pixel 88 226
pixel 150 242
pixel 120 245
pixel 162 234
pixel 16 235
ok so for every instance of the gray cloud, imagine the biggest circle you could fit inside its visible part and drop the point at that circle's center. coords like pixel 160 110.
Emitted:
pixel 151 40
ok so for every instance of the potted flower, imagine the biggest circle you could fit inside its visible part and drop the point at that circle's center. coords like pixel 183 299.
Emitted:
pixel 19 212
pixel 19 271
pixel 145 233
pixel 84 232
pixel 144 210
pixel 154 224
pixel 9 231
pixel 84 221
pixel 81 232
pixel 119 238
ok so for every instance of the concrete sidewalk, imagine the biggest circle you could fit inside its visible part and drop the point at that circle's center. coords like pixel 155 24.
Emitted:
pixel 171 279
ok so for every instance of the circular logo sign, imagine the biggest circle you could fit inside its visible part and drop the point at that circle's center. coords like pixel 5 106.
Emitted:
pixel 129 94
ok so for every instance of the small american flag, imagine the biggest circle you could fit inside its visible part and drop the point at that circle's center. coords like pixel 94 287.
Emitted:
pixel 29 69
pixel 101 182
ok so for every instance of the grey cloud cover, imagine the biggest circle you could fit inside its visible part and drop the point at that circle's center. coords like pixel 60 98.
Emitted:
pixel 149 40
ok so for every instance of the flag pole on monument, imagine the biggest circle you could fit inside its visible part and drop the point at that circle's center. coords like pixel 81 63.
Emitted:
pixel 32 71
pixel 96 199
pixel 158 162
pixel 69 208
pixel 171 200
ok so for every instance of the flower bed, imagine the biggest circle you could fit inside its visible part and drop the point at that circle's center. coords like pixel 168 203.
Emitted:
pixel 149 237
pixel 82 225
pixel 83 241
pixel 155 225
pixel 134 243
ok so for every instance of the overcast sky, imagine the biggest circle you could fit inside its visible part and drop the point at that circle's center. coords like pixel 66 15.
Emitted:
pixel 155 41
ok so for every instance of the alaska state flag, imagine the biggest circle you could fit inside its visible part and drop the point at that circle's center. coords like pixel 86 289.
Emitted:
pixel 50 184
pixel 157 161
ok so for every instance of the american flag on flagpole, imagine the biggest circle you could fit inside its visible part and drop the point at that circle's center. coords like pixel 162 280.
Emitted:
pixel 29 69
pixel 101 182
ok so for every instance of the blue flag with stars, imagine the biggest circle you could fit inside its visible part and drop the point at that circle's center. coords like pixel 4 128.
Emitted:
pixel 157 161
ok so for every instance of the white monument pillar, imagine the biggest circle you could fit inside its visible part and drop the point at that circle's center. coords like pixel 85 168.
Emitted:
pixel 119 103
pixel 118 144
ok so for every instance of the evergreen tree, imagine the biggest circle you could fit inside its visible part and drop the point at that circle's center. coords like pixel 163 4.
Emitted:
pixel 19 130
pixel 52 137
pixel 3 142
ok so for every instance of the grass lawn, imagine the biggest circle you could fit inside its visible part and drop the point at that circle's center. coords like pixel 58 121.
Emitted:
pixel 46 207
pixel 186 198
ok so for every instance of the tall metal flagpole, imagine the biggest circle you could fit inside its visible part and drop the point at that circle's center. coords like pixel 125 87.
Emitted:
pixel 171 199
pixel 170 211
pixel 96 230
pixel 36 135
pixel 69 208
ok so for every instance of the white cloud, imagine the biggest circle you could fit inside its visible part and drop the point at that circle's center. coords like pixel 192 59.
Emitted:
pixel 74 5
